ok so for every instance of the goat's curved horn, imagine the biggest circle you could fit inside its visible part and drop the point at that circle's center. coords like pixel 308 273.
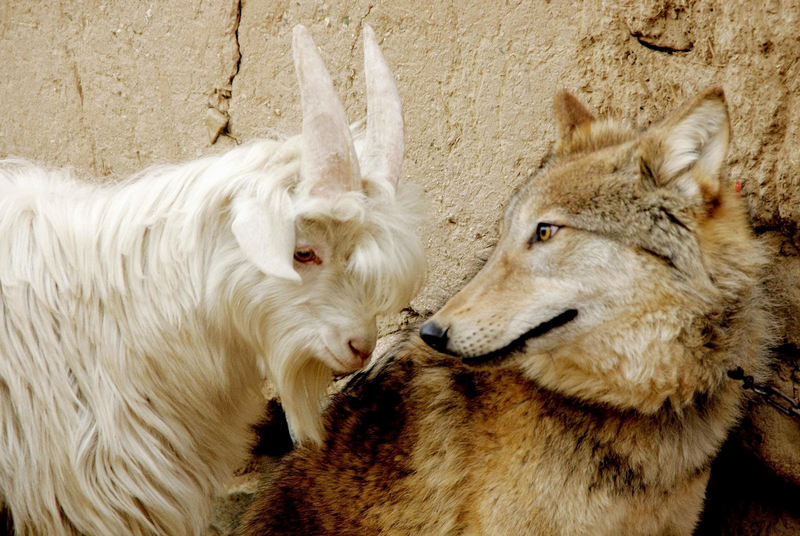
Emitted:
pixel 328 160
pixel 382 156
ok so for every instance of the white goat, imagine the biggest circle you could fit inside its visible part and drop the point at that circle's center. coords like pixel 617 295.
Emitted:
pixel 136 318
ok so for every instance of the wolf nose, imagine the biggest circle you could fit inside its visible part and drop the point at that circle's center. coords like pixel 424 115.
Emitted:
pixel 434 336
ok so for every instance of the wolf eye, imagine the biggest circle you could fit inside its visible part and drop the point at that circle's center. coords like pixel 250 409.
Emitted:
pixel 305 255
pixel 544 232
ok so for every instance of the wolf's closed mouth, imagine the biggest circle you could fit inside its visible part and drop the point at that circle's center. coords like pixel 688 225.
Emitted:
pixel 519 343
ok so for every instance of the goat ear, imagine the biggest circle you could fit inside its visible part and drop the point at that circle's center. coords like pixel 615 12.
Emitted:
pixel 266 237
pixel 687 151
pixel 570 115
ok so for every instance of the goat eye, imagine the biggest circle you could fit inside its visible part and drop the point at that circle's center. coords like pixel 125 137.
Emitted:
pixel 305 255
pixel 544 232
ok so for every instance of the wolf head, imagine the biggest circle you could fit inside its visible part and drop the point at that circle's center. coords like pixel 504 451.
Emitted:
pixel 625 269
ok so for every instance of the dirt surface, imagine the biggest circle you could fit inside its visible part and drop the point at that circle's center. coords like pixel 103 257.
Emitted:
pixel 110 87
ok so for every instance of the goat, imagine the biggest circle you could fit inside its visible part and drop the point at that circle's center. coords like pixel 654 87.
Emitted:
pixel 138 319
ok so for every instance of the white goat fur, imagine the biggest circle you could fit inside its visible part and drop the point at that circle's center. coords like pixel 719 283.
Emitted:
pixel 134 330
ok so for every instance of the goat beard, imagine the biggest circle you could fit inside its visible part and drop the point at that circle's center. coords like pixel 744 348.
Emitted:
pixel 302 382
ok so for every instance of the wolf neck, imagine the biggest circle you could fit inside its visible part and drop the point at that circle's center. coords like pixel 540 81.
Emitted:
pixel 655 451
pixel 656 360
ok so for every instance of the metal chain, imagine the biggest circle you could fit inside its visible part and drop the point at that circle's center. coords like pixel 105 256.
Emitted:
pixel 777 399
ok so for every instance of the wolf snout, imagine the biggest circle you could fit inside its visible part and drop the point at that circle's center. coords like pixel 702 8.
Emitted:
pixel 435 336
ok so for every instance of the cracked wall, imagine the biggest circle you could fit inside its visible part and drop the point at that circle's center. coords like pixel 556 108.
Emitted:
pixel 109 87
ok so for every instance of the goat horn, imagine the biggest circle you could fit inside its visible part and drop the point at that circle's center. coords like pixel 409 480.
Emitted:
pixel 382 156
pixel 329 160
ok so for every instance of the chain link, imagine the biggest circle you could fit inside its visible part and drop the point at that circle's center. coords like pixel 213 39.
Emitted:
pixel 777 399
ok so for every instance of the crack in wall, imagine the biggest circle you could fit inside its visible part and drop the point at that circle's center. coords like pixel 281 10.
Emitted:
pixel 667 49
pixel 236 24
pixel 359 28
pixel 217 115
pixel 82 117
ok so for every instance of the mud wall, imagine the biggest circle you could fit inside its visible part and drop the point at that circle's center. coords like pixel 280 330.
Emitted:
pixel 110 87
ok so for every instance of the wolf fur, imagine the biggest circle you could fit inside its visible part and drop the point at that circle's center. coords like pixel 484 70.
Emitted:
pixel 586 390
pixel 137 319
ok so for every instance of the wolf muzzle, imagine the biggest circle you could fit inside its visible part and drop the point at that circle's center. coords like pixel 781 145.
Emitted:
pixel 438 338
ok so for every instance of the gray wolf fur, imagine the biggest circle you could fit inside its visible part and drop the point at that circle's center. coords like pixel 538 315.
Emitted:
pixel 586 391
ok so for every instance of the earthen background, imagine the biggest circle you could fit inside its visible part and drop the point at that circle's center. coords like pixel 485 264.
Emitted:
pixel 111 87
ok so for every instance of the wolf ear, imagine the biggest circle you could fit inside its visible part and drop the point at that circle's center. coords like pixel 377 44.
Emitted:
pixel 266 236
pixel 570 114
pixel 687 151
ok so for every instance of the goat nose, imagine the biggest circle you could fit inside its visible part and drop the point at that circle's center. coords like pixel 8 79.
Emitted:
pixel 434 336
pixel 361 348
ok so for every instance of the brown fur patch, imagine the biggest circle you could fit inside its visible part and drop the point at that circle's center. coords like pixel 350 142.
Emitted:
pixel 420 445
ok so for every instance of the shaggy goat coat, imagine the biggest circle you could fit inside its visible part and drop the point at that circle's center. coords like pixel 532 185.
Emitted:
pixel 137 319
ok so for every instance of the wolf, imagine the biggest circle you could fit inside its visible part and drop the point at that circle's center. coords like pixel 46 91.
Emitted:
pixel 577 384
